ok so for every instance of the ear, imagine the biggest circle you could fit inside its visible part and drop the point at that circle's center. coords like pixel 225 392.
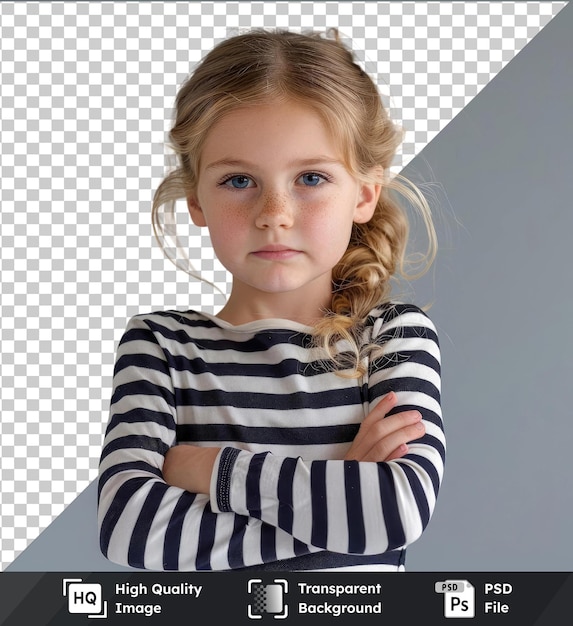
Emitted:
pixel 195 211
pixel 366 202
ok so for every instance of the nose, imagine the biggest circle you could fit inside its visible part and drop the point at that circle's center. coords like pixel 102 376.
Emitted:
pixel 275 211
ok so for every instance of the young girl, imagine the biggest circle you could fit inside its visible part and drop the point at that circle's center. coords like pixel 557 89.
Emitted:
pixel 309 406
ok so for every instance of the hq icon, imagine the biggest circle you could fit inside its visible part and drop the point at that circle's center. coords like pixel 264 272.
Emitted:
pixel 84 598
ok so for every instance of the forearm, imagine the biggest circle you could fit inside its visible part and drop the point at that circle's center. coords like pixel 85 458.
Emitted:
pixel 328 504
pixel 341 506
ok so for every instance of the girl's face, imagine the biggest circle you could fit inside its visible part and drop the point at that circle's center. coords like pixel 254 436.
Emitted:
pixel 279 205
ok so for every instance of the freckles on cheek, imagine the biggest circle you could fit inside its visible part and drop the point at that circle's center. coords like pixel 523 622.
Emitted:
pixel 236 212
pixel 321 218
pixel 315 214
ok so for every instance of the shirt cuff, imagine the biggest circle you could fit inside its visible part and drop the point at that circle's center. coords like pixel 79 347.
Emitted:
pixel 221 480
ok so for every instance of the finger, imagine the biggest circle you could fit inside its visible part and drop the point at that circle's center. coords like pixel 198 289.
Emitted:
pixel 387 403
pixel 384 447
pixel 398 453
pixel 378 434
pixel 371 434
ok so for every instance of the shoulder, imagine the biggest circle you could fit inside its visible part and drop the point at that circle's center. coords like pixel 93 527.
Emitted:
pixel 158 326
pixel 391 320
pixel 170 319
pixel 397 313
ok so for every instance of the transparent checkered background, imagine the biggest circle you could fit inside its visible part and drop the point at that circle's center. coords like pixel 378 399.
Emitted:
pixel 86 99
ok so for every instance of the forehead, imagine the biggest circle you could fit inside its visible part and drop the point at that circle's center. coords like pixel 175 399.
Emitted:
pixel 268 130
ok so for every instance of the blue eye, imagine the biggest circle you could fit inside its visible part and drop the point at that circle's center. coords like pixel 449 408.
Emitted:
pixel 311 179
pixel 238 182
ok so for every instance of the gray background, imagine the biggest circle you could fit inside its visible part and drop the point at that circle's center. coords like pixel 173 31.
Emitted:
pixel 502 304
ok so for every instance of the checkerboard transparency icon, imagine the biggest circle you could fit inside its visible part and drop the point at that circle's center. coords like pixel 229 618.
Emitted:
pixel 267 598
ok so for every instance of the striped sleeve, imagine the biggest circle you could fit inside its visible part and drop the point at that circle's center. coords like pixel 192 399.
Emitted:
pixel 142 521
pixel 349 506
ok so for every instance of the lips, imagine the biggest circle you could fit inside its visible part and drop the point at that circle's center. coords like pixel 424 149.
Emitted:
pixel 275 252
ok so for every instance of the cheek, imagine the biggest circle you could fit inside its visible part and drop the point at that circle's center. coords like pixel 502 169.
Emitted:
pixel 223 232
pixel 328 220
pixel 227 228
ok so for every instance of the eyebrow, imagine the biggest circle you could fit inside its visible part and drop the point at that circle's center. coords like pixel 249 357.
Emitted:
pixel 228 162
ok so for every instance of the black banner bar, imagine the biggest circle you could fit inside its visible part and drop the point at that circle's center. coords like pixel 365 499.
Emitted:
pixel 92 599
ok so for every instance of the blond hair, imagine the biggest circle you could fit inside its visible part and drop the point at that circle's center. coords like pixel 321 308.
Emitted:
pixel 318 71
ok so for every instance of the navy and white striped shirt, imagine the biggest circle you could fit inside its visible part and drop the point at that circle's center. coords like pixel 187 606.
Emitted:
pixel 281 495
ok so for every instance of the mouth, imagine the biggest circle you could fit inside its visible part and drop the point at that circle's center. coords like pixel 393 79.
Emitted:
pixel 275 252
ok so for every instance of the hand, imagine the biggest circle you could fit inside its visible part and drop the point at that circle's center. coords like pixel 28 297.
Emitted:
pixel 382 438
pixel 190 467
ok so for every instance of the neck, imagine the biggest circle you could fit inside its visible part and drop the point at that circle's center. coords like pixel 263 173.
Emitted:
pixel 243 307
